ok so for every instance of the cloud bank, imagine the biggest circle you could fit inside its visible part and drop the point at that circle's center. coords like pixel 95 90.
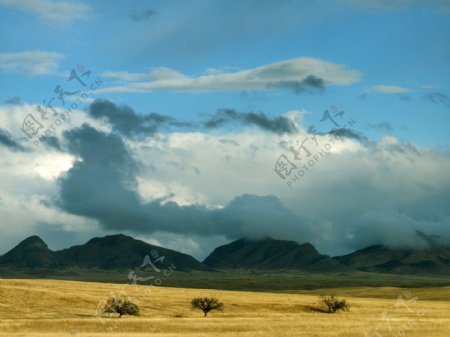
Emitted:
pixel 300 74
pixel 193 186
pixel 60 12
pixel 127 122
pixel 30 63
pixel 279 124
pixel 390 89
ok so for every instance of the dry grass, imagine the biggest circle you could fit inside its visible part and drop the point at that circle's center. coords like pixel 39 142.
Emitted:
pixel 64 308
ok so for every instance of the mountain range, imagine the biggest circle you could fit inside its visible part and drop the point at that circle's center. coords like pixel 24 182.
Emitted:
pixel 110 252
pixel 119 252
pixel 271 254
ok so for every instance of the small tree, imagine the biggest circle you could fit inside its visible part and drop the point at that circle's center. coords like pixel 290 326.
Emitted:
pixel 334 304
pixel 207 304
pixel 116 305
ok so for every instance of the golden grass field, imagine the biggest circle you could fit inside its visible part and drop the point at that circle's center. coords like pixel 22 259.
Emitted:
pixel 65 308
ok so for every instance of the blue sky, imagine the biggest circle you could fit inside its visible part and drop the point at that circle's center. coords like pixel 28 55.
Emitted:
pixel 400 45
pixel 385 63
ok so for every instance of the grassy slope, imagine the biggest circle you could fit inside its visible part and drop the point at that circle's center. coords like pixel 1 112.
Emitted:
pixel 67 308
pixel 257 280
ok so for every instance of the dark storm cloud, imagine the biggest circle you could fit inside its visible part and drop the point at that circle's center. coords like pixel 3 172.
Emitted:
pixel 438 98
pixel 348 133
pixel 405 98
pixel 404 149
pixel 397 229
pixel 7 141
pixel 52 142
pixel 351 207
pixel 142 15
pixel 309 84
pixel 127 122
pixel 13 100
pixel 343 133
pixel 278 125
pixel 257 216
pixel 383 127
pixel 102 186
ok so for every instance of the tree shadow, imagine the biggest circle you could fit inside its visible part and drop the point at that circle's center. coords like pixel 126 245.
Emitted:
pixel 311 308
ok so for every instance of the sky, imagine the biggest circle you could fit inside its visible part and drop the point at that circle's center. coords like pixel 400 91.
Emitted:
pixel 192 124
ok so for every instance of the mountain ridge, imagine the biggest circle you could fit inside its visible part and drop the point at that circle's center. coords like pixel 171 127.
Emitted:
pixel 379 258
pixel 269 253
pixel 116 252
pixel 109 252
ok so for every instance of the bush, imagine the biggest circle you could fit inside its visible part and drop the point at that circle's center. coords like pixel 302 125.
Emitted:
pixel 333 304
pixel 116 305
pixel 206 304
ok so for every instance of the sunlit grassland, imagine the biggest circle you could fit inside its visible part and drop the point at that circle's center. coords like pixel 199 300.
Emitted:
pixel 68 308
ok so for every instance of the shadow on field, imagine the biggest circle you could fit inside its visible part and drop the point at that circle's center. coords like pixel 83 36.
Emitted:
pixel 310 308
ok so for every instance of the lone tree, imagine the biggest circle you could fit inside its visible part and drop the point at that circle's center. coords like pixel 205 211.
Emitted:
pixel 334 304
pixel 116 305
pixel 206 304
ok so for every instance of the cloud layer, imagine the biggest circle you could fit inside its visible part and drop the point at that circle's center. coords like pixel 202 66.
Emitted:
pixel 193 186
pixel 60 12
pixel 30 63
pixel 279 124
pixel 102 185
pixel 390 89
pixel 127 122
pixel 9 142
pixel 300 74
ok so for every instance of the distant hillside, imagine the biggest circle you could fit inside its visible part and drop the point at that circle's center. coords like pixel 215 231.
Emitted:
pixel 110 252
pixel 271 254
pixel 31 253
pixel 119 252
pixel 409 261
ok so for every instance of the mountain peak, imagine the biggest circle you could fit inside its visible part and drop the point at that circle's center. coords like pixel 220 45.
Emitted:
pixel 267 239
pixel 269 253
pixel 120 251
pixel 33 241
pixel 32 252
pixel 112 239
pixel 383 259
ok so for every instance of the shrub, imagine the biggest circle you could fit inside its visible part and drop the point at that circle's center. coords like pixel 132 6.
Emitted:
pixel 116 305
pixel 333 304
pixel 206 304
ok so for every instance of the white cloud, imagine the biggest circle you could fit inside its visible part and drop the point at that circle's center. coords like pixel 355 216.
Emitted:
pixel 197 246
pixel 28 184
pixel 258 78
pixel 430 86
pixel 30 63
pixel 13 116
pixel 390 89
pixel 354 191
pixel 334 197
pixel 61 12
pixel 125 75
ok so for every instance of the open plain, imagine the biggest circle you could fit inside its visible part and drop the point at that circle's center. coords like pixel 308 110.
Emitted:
pixel 67 308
